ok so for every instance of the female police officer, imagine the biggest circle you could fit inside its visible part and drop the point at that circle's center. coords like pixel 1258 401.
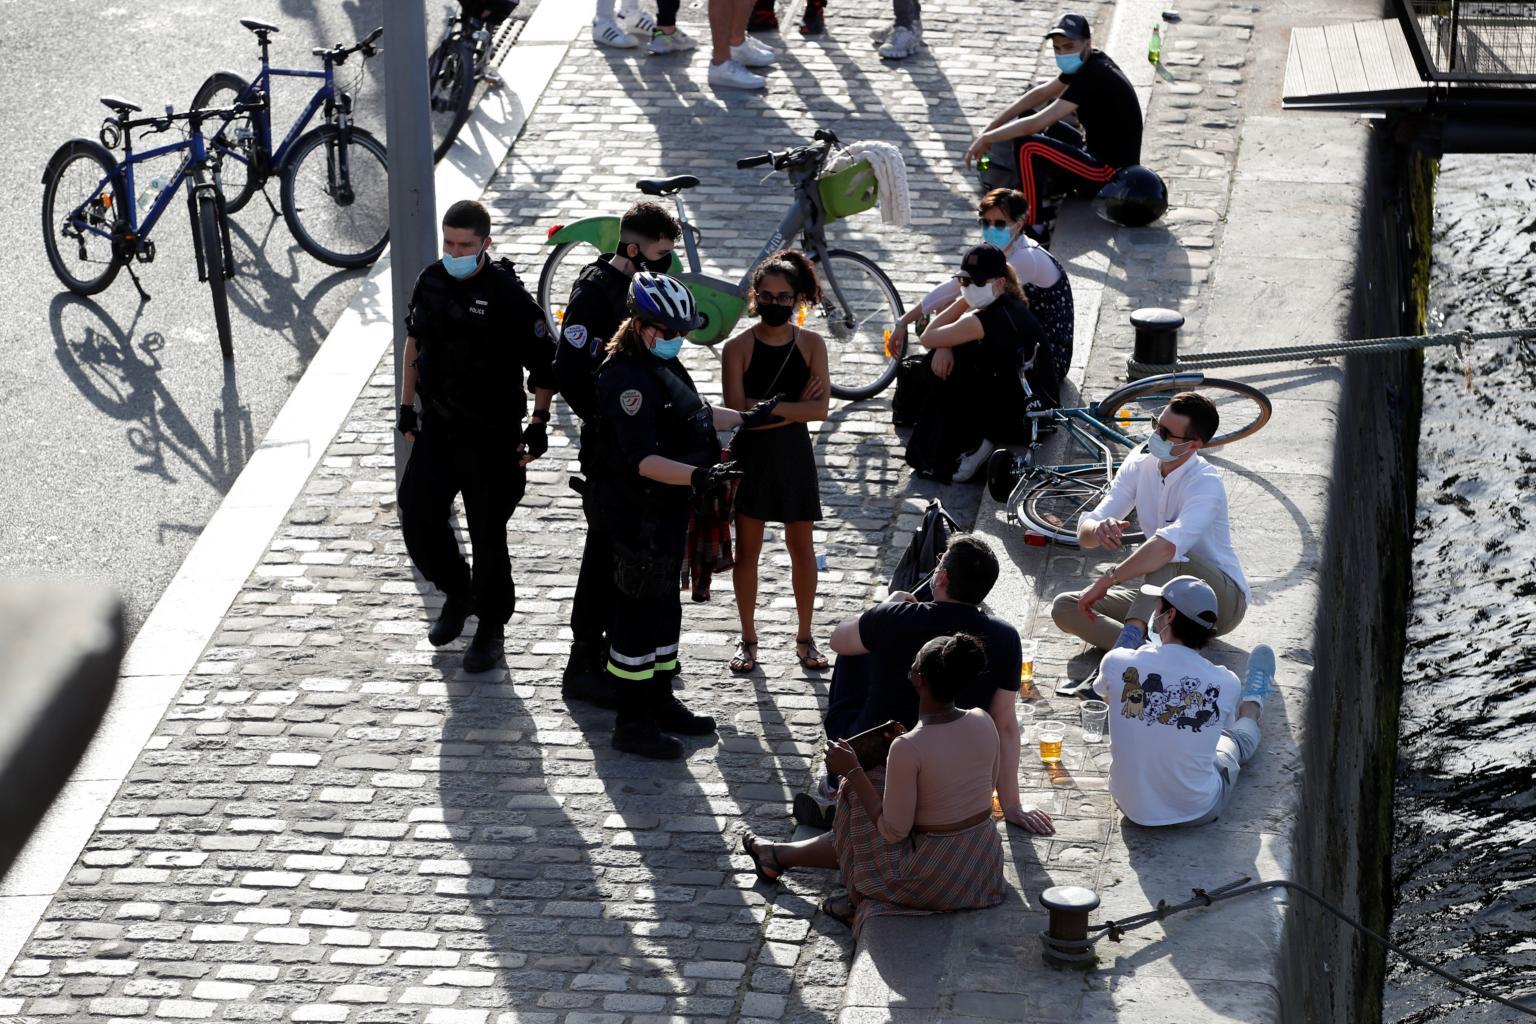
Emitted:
pixel 659 438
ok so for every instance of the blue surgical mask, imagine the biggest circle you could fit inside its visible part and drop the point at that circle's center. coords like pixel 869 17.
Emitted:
pixel 1069 62
pixel 667 348
pixel 1000 237
pixel 461 266
pixel 1162 450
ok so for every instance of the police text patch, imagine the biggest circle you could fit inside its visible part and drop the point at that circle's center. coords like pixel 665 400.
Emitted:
pixel 630 401
pixel 576 334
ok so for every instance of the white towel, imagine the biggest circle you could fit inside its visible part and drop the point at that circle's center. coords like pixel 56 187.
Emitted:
pixel 890 172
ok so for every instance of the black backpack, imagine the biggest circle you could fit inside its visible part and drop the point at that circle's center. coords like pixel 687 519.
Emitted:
pixel 914 573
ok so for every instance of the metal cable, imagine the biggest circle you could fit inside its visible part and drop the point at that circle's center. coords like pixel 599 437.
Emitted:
pixel 1241 887
pixel 1255 357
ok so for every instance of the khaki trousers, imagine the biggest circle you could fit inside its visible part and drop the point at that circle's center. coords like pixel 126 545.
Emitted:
pixel 1122 603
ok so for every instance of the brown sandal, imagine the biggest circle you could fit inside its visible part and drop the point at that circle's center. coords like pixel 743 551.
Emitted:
pixel 745 658
pixel 840 909
pixel 811 659
pixel 749 846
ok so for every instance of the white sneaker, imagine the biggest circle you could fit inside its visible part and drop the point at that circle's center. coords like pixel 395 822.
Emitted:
pixel 636 22
pixel 903 42
pixel 732 75
pixel 754 54
pixel 678 42
pixel 880 35
pixel 971 462
pixel 606 32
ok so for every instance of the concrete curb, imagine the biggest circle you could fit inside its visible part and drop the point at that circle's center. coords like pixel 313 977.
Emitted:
pixel 236 538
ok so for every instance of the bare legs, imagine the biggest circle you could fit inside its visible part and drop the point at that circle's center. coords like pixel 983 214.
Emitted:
pixel 802 569
pixel 727 27
pixel 807 853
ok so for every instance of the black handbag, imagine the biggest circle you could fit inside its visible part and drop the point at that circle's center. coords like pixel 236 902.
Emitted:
pixel 914 380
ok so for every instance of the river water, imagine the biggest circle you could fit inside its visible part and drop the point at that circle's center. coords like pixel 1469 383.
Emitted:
pixel 1464 858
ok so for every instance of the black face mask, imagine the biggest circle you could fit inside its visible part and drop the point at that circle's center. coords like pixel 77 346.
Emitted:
pixel 659 265
pixel 773 314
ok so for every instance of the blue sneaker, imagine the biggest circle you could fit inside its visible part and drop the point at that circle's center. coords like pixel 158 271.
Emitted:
pixel 1131 636
pixel 1260 678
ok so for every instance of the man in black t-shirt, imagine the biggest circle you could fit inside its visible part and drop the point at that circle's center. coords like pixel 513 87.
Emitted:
pixel 598 305
pixel 871 681
pixel 1053 158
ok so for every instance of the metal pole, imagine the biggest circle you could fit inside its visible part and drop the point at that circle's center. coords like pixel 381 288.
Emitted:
pixel 412 197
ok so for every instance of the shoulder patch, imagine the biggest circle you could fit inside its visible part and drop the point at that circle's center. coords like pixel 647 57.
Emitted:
pixel 576 334
pixel 540 328
pixel 630 401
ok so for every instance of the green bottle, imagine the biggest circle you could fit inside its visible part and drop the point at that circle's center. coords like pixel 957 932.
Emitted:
pixel 1155 45
pixel 985 163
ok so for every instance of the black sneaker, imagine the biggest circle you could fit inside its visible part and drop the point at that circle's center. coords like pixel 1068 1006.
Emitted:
pixel 671 715
pixel 641 737
pixel 450 621
pixel 812 813
pixel 486 648
pixel 584 678
pixel 813 22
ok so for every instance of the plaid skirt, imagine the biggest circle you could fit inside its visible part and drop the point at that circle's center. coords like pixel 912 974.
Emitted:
pixel 925 873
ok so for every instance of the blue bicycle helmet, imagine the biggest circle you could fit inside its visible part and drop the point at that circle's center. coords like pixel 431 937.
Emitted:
pixel 666 301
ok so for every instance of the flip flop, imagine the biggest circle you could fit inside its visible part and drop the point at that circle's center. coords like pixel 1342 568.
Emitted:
pixel 844 918
pixel 812 660
pixel 749 847
pixel 745 658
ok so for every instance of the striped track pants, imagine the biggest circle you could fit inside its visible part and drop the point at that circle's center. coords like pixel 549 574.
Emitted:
pixel 1049 167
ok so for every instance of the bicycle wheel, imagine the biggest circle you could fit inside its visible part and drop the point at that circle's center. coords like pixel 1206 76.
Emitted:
pixel 336 196
pixel 1053 506
pixel 450 83
pixel 76 206
pixel 211 240
pixel 1243 408
pixel 233 141
pixel 858 362
pixel 558 278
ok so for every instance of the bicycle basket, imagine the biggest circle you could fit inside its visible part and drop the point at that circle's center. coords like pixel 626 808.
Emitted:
pixel 849 191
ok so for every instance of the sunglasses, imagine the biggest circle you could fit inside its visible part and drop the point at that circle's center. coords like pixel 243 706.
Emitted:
pixel 966 280
pixel 1168 435
pixel 988 223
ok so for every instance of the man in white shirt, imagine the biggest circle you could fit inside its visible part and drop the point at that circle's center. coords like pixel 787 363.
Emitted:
pixel 1180 727
pixel 1181 507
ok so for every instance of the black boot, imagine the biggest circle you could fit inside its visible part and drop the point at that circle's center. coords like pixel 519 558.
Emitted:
pixel 450 621
pixel 584 678
pixel 672 716
pixel 635 731
pixel 486 648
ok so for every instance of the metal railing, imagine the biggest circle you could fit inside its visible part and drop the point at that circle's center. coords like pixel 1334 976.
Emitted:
pixel 1472 41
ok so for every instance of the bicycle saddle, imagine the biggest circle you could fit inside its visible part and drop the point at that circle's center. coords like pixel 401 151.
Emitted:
pixel 120 106
pixel 257 26
pixel 666 186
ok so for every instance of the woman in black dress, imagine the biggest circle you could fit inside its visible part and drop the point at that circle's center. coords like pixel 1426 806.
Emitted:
pixel 976 400
pixel 776 357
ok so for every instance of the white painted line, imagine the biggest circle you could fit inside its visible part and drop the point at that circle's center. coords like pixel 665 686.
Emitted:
pixel 229 548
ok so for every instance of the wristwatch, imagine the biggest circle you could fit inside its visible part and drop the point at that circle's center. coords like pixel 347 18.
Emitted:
pixel 539 416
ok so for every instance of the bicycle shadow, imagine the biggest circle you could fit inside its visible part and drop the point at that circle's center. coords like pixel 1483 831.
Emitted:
pixel 122 379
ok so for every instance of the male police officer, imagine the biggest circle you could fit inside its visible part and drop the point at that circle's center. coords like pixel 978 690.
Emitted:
pixel 472 329
pixel 598 304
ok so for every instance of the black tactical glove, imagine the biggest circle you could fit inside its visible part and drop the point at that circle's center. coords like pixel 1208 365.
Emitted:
pixel 406 422
pixel 535 440
pixel 708 478
pixel 761 414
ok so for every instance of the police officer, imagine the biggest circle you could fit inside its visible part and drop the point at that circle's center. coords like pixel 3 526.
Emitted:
pixel 661 443
pixel 597 306
pixel 473 328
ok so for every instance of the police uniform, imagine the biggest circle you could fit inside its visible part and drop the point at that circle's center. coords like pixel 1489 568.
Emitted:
pixel 474 337
pixel 596 309
pixel 648 406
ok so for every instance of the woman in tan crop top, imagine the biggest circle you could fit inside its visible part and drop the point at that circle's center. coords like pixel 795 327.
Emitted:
pixel 917 835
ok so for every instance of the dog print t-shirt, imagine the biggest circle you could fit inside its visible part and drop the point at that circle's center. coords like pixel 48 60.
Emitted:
pixel 1167 706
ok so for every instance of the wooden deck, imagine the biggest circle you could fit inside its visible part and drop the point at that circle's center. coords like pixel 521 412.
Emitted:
pixel 1364 66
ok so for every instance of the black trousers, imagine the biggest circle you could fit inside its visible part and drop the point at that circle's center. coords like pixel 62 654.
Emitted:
pixel 1050 166
pixel 592 606
pixel 443 465
pixel 644 631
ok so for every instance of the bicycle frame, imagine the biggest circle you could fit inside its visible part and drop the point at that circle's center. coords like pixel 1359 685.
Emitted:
pixel 140 229
pixel 324 96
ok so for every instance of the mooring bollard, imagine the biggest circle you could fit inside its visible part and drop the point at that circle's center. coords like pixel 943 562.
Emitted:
pixel 1157 338
pixel 1065 940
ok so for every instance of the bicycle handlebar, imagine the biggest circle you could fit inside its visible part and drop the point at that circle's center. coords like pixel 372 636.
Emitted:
pixel 339 53
pixel 817 150
pixel 754 161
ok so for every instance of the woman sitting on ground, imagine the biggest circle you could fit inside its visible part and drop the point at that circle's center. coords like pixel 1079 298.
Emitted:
pixel 916 836
pixel 1003 213
pixel 976 400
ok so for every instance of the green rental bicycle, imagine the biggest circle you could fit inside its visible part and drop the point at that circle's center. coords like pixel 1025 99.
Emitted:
pixel 859 304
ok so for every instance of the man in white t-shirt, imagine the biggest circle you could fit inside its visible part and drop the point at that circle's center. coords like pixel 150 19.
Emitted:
pixel 1180 727
pixel 1181 507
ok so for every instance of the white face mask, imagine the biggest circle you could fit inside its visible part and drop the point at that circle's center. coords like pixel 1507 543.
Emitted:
pixel 978 296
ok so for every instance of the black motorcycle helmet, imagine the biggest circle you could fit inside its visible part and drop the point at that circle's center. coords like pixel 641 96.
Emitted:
pixel 1133 198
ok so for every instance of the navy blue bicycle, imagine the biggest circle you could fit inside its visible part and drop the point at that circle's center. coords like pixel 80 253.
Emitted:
pixel 334 178
pixel 92 225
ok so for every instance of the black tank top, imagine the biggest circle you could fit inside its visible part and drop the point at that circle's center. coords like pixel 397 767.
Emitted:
pixel 783 362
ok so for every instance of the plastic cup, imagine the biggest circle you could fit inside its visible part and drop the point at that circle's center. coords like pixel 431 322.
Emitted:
pixel 1094 715
pixel 1026 723
pixel 1050 734
pixel 1027 669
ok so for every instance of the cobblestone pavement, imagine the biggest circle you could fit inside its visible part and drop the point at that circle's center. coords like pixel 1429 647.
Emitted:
pixel 334 823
